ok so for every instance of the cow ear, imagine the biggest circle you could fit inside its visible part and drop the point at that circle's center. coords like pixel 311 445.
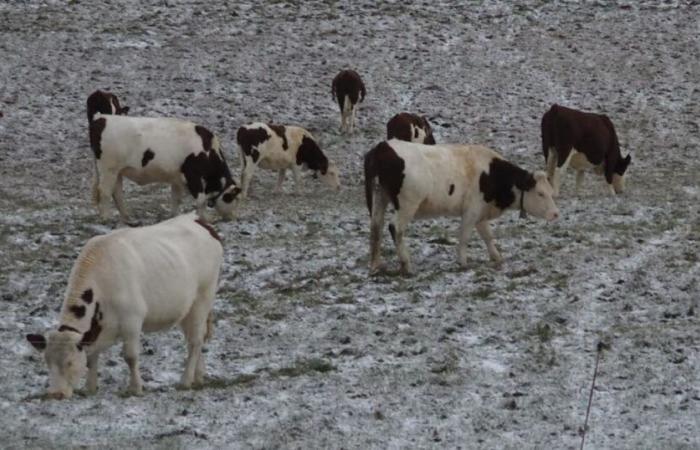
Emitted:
pixel 38 341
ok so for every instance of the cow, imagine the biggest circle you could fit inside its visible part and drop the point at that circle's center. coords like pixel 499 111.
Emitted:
pixel 160 150
pixel 411 128
pixel 105 103
pixel 469 181
pixel 130 281
pixel 582 140
pixel 278 147
pixel 349 91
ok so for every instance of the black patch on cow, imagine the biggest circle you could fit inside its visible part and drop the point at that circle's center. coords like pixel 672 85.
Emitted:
pixel 348 83
pixel 248 140
pixel 228 197
pixel 78 311
pixel 95 327
pixel 101 101
pixel 497 185
pixel 38 341
pixel 204 172
pixel 147 156
pixel 401 125
pixel 383 162
pixel 68 328
pixel 279 131
pixel 210 229
pixel 452 189
pixel 96 129
pixel 310 154
pixel 206 136
pixel 87 296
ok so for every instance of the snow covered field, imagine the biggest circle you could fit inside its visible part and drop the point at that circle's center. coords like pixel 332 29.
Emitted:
pixel 308 350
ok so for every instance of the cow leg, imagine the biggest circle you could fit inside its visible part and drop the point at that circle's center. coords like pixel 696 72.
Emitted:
pixel 484 230
pixel 551 164
pixel 465 229
pixel 247 175
pixel 280 180
pixel 132 348
pixel 563 159
pixel 106 190
pixel 379 204
pixel 579 180
pixel 401 219
pixel 353 116
pixel 296 171
pixel 95 186
pixel 119 199
pixel 92 362
pixel 176 193
pixel 194 327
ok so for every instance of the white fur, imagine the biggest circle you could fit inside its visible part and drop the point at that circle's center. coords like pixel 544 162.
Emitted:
pixel 428 173
pixel 144 279
pixel 123 143
pixel 274 157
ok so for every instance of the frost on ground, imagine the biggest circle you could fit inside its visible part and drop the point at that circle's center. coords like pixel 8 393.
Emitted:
pixel 309 351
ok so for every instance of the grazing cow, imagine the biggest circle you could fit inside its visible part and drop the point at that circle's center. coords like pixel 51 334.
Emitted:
pixel 348 90
pixel 582 140
pixel 129 281
pixel 278 147
pixel 160 150
pixel 411 128
pixel 105 103
pixel 469 181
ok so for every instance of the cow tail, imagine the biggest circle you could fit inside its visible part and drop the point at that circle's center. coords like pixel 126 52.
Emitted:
pixel 96 185
pixel 210 327
pixel 370 175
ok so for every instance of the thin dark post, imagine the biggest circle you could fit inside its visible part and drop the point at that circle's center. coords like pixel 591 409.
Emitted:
pixel 600 348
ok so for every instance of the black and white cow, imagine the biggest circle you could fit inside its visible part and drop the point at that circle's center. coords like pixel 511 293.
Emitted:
pixel 469 181
pixel 130 281
pixel 278 147
pixel 411 128
pixel 105 103
pixel 349 91
pixel 583 141
pixel 160 150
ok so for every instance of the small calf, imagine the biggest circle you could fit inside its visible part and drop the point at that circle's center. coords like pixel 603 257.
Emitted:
pixel 278 147
pixel 469 181
pixel 160 150
pixel 584 141
pixel 349 91
pixel 105 103
pixel 130 281
pixel 411 128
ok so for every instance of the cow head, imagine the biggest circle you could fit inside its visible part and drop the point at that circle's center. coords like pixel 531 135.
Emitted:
pixel 537 199
pixel 65 359
pixel 618 179
pixel 227 201
pixel 331 177
pixel 428 139
pixel 105 103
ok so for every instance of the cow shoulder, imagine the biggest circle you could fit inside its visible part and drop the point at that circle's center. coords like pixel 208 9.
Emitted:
pixel 497 184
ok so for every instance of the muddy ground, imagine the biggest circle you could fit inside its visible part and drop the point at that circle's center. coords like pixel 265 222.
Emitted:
pixel 310 351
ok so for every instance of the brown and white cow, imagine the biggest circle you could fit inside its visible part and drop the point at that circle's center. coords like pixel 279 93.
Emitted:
pixel 583 141
pixel 130 281
pixel 469 181
pixel 160 150
pixel 349 91
pixel 279 147
pixel 411 128
pixel 105 103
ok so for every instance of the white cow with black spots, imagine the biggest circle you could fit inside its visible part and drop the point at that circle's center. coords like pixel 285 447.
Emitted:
pixel 469 181
pixel 278 148
pixel 130 281
pixel 160 150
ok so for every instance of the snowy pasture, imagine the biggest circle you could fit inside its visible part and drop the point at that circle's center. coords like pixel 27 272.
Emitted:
pixel 309 351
